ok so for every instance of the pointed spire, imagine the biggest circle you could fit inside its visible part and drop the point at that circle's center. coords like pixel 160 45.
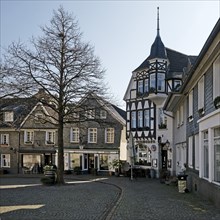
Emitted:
pixel 158 28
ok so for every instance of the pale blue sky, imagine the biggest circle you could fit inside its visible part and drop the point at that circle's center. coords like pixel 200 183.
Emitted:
pixel 121 31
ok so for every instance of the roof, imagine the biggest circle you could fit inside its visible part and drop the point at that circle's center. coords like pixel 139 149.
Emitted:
pixel 21 107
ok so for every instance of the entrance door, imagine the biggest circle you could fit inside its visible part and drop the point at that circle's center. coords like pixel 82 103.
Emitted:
pixel 91 162
pixel 164 159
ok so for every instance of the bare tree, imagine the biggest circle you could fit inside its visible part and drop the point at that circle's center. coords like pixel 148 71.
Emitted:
pixel 61 64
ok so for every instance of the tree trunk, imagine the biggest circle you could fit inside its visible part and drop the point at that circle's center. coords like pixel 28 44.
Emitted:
pixel 60 168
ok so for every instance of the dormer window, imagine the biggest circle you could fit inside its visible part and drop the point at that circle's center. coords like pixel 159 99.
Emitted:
pixel 8 116
pixel 103 114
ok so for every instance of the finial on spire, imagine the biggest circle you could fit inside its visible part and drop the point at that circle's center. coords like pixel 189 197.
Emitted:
pixel 158 28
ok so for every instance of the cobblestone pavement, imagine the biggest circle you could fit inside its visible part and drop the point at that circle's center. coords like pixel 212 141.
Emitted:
pixel 99 198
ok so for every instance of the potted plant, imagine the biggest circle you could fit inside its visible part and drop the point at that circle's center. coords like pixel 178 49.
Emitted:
pixel 115 164
pixel 217 102
pixel 50 176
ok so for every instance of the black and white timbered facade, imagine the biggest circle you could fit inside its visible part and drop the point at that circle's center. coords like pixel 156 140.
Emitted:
pixel 160 73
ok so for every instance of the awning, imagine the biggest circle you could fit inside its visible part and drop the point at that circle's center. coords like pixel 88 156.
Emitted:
pixel 38 151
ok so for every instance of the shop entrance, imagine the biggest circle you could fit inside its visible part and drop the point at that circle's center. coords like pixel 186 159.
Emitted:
pixel 164 159
pixel 90 163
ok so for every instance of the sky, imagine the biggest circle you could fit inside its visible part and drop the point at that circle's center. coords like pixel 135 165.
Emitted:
pixel 121 32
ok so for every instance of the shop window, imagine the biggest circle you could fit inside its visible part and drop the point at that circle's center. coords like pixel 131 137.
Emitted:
pixel 217 154
pixel 103 162
pixel 206 154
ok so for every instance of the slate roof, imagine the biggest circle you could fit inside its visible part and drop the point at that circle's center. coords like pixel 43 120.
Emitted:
pixel 21 107
pixel 178 61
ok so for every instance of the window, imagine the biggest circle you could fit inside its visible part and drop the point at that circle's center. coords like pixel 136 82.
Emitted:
pixel 90 114
pixel 197 152
pixel 5 160
pixel 92 135
pixel 103 114
pixel 147 118
pixel 217 154
pixel 76 115
pixel 176 85
pixel 5 139
pixel 109 135
pixel 179 116
pixel 190 151
pixel 152 82
pixel 161 82
pixel 140 86
pixel 162 119
pixel 146 86
pixel 140 119
pixel 50 137
pixel 151 118
pixel 201 93
pixel 8 116
pixel 216 78
pixel 133 119
pixel 190 106
pixel 28 137
pixel 206 154
pixel 38 117
pixel 103 162
pixel 74 135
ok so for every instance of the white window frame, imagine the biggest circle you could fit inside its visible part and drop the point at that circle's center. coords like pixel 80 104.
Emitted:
pixel 92 135
pixel 109 135
pixel 29 136
pixel 103 114
pixel 50 137
pixel 190 151
pixel 190 106
pixel 216 77
pixel 5 160
pixel 4 139
pixel 74 135
pixel 216 158
pixel 201 93
pixel 197 156
pixel 8 116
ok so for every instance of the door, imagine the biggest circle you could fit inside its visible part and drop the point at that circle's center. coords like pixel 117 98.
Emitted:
pixel 164 159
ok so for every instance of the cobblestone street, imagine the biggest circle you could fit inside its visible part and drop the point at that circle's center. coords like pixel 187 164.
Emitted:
pixel 99 198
